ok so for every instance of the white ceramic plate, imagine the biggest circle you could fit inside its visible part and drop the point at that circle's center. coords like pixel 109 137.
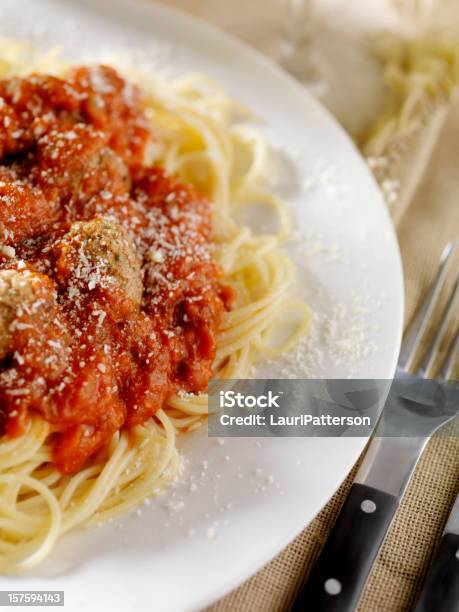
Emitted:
pixel 252 496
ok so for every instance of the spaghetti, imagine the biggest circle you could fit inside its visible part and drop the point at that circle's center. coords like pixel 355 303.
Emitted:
pixel 203 138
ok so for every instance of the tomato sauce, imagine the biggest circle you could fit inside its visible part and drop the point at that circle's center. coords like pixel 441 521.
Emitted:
pixel 109 298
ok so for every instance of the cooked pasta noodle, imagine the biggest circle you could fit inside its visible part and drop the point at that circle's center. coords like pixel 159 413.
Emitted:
pixel 202 136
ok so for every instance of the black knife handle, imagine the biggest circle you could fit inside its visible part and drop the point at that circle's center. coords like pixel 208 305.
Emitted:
pixel 441 588
pixel 336 582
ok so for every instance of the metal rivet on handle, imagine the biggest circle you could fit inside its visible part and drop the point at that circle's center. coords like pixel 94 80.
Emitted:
pixel 457 553
pixel 332 586
pixel 368 506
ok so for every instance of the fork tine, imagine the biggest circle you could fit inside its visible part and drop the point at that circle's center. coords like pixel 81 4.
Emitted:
pixel 429 359
pixel 451 359
pixel 418 326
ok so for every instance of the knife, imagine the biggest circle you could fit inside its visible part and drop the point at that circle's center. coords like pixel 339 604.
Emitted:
pixel 441 588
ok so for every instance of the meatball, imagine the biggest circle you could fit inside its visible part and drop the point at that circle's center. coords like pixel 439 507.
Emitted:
pixel 24 211
pixel 104 244
pixel 24 296
pixel 10 127
pixel 110 104
pixel 28 105
pixel 37 95
pixel 75 164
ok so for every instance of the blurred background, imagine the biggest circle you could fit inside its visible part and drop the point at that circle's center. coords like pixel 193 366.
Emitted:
pixel 387 69
pixel 329 44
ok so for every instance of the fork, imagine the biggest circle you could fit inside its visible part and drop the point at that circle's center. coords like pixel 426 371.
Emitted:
pixel 416 406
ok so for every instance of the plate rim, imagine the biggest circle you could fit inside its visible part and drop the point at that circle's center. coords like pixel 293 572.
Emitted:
pixel 211 595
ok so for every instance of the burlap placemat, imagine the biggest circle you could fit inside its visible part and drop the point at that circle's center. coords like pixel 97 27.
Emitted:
pixel 431 220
